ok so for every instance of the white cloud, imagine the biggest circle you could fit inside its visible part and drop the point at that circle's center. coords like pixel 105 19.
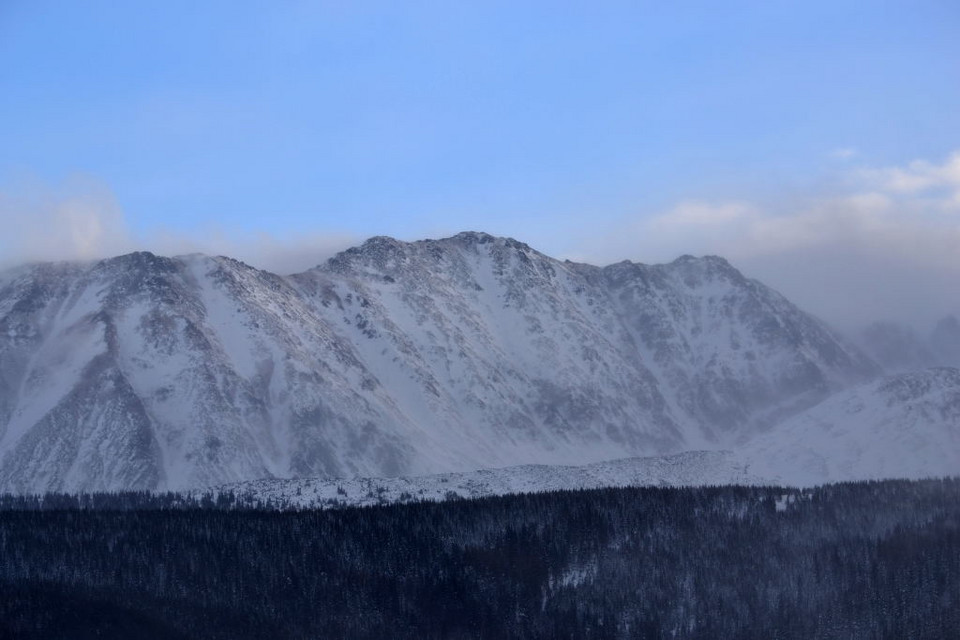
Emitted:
pixel 279 254
pixel 79 221
pixel 918 176
pixel 693 212
pixel 884 246
pixel 844 153
pixel 82 220
pixel 887 247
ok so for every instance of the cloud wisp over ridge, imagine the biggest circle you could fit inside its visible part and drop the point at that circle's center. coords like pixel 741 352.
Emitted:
pixel 82 220
pixel 79 221
pixel 884 245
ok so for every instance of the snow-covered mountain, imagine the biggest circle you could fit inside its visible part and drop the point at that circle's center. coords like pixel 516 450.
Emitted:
pixel 901 426
pixel 392 358
pixel 689 469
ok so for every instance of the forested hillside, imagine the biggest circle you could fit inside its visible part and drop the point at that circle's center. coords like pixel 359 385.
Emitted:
pixel 852 561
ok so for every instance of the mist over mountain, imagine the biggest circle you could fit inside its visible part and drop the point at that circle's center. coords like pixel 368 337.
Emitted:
pixel 900 426
pixel 897 347
pixel 945 341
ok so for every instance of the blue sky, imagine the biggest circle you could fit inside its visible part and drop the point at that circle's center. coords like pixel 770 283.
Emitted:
pixel 574 126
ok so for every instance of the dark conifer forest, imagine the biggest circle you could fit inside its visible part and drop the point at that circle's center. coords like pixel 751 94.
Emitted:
pixel 853 561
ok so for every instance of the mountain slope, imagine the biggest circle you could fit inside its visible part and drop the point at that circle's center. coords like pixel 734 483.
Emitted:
pixel 689 469
pixel 392 358
pixel 902 426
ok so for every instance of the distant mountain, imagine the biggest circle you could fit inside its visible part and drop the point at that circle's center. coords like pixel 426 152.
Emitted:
pixel 902 426
pixel 944 341
pixel 898 348
pixel 392 358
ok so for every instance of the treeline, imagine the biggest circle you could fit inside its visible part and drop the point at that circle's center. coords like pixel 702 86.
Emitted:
pixel 130 500
pixel 852 561
pixel 154 500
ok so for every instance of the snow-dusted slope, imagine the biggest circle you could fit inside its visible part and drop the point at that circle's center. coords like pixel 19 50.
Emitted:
pixel 736 355
pixel 392 358
pixel 143 372
pixel 689 354
pixel 903 426
pixel 695 468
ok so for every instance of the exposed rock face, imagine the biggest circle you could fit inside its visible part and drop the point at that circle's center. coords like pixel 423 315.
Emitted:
pixel 433 356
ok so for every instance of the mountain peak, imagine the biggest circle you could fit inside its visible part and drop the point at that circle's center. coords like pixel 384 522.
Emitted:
pixel 139 262
pixel 384 254
pixel 393 357
pixel 709 268
pixel 715 262
pixel 381 241
pixel 474 238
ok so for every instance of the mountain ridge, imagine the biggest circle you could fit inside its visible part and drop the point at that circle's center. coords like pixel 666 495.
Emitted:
pixel 390 358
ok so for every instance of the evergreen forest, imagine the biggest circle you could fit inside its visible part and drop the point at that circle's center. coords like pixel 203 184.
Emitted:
pixel 855 561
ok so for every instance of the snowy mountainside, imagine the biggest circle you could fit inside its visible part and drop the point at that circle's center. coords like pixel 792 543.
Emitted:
pixel 145 372
pixel 737 355
pixel 393 358
pixel 694 468
pixel 692 348
pixel 901 426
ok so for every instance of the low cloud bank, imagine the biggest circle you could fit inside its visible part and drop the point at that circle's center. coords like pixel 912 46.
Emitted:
pixel 83 221
pixel 78 221
pixel 884 245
